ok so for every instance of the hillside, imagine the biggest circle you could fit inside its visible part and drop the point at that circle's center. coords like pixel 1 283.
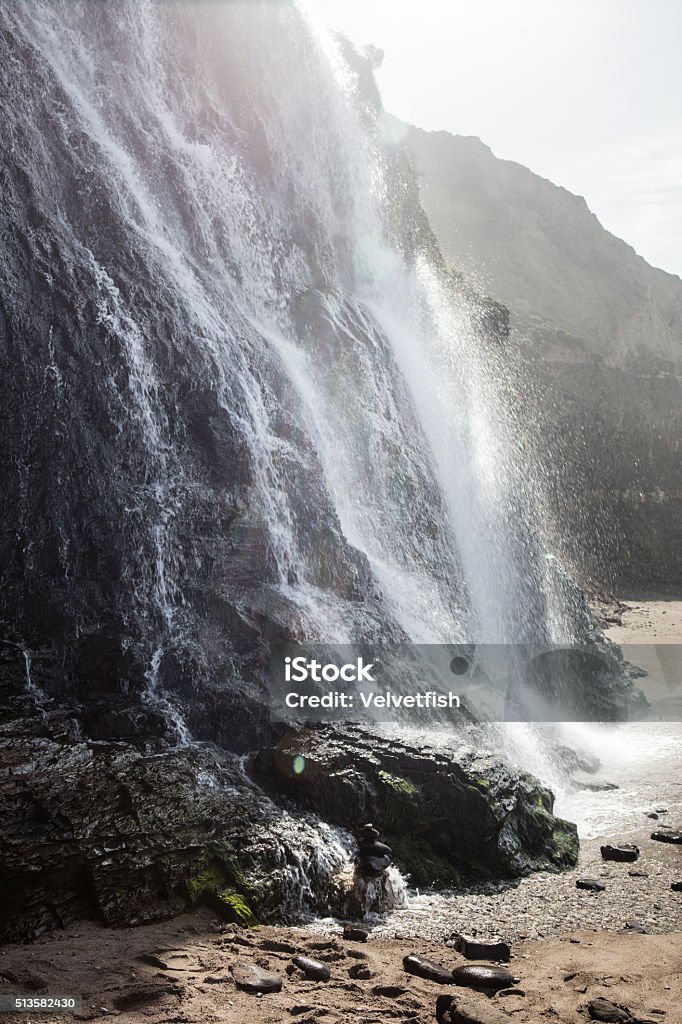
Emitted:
pixel 601 333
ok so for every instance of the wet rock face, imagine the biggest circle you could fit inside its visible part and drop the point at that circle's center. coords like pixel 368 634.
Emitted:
pixel 443 818
pixel 102 829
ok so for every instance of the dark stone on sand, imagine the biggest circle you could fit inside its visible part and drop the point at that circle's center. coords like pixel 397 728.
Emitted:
pixel 638 874
pixel 483 976
pixel 427 969
pixel 676 886
pixel 590 883
pixel 653 815
pixel 625 853
pixel 662 836
pixel 251 978
pixel 635 926
pixel 353 934
pixel 460 1010
pixel 608 1012
pixel 360 972
pixel 661 809
pixel 479 949
pixel 312 969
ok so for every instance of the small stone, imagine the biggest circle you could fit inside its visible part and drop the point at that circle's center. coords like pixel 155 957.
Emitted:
pixel 426 969
pixel 676 886
pixel 483 976
pixel 635 926
pixel 360 972
pixel 312 969
pixel 661 809
pixel 667 837
pixel 623 853
pixel 652 815
pixel 252 978
pixel 479 949
pixel 353 934
pixel 610 1013
pixel 590 883
pixel 638 874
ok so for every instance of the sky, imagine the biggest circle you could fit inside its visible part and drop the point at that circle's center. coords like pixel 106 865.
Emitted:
pixel 587 93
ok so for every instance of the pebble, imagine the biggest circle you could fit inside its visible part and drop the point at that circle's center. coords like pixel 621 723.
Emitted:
pixel 608 1012
pixel 312 969
pixel 252 978
pixel 590 883
pixel 623 853
pixel 479 949
pixel 427 969
pixel 676 886
pixel 352 934
pixel 667 837
pixel 483 976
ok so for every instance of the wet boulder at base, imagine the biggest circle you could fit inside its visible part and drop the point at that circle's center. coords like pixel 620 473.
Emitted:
pixel 447 816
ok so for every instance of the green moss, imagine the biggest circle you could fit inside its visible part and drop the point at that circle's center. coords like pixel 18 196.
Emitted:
pixel 397 784
pixel 567 843
pixel 399 800
pixel 222 887
pixel 232 906
pixel 424 865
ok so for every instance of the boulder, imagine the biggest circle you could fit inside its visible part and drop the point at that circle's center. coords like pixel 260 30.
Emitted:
pixel 503 825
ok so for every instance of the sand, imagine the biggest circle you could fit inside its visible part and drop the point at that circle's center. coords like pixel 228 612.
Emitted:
pixel 557 977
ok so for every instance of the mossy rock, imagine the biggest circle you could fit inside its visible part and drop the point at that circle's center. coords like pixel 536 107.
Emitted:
pixel 425 867
pixel 232 906
pixel 399 801
pixel 221 886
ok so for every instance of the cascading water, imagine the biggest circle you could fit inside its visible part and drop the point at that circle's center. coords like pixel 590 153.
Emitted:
pixel 258 191
pixel 254 403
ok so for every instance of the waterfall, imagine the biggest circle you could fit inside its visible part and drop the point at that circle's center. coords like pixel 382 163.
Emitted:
pixel 277 410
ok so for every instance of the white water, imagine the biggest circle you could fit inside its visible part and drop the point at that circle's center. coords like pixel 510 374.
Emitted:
pixel 258 195
pixel 412 432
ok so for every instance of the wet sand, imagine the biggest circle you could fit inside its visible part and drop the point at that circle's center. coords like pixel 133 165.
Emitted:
pixel 557 977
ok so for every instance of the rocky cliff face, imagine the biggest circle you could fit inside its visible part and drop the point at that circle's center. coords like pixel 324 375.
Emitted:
pixel 226 399
pixel 601 334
